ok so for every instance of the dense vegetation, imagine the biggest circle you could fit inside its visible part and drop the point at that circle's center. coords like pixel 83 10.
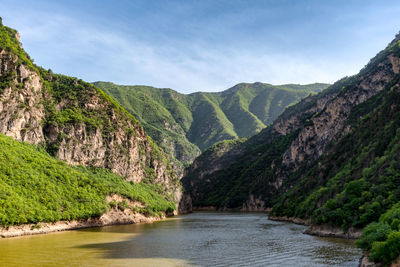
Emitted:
pixel 185 124
pixel 382 238
pixel 359 178
pixel 354 184
pixel 69 101
pixel 246 163
pixel 34 187
pixel 231 187
pixel 10 43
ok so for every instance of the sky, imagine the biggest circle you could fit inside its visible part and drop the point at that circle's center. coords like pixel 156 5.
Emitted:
pixel 203 45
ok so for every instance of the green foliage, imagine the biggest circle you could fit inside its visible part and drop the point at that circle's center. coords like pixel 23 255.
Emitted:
pixel 123 205
pixel 382 238
pixel 6 80
pixel 244 175
pixel 185 124
pixel 35 187
pixel 69 102
pixel 10 43
pixel 352 184
pixel 388 250
pixel 360 176
pixel 163 114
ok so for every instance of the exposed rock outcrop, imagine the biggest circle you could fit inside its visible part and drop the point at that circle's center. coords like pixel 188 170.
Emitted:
pixel 330 123
pixel 365 262
pixel 21 105
pixel 310 126
pixel 329 231
pixel 77 123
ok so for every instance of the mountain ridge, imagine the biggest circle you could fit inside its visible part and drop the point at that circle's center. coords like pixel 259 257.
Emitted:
pixel 201 119
pixel 78 123
pixel 330 159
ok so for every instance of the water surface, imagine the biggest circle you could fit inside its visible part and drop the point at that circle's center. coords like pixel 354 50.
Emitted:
pixel 198 239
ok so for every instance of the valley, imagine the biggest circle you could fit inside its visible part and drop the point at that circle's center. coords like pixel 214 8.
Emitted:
pixel 75 154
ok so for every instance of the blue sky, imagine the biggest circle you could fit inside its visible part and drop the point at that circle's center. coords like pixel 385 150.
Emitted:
pixel 203 45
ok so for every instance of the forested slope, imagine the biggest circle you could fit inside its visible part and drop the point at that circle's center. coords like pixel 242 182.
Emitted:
pixel 184 125
pixel 332 159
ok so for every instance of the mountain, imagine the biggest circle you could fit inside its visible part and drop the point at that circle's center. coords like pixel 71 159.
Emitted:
pixel 183 125
pixel 77 123
pixel 332 160
pixel 35 187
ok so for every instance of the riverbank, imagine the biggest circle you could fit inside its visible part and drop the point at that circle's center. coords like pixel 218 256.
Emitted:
pixel 329 231
pixel 114 216
pixel 323 230
pixel 199 238
pixel 243 209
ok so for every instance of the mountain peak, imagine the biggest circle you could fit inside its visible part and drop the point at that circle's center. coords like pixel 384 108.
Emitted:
pixel 395 40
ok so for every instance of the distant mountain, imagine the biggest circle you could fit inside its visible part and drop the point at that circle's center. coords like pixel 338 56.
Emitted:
pixel 331 160
pixel 184 125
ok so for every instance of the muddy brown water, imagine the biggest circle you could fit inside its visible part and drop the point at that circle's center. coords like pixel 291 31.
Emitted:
pixel 198 239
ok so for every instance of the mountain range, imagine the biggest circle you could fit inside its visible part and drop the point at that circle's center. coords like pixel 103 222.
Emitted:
pixel 184 125
pixel 326 156
pixel 331 160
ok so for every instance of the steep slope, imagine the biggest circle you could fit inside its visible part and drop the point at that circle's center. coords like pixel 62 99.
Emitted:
pixel 35 187
pixel 185 124
pixel 331 159
pixel 75 121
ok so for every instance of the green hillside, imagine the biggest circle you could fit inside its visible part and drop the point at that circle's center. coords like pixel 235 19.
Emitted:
pixel 66 118
pixel 354 183
pixel 184 125
pixel 35 187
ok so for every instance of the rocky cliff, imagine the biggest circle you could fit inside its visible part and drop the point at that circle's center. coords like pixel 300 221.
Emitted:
pixel 74 120
pixel 331 160
pixel 257 168
pixel 184 125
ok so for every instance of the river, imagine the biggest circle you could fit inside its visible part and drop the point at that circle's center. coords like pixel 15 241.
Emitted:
pixel 197 239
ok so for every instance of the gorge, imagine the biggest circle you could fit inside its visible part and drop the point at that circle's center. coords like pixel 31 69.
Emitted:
pixel 75 154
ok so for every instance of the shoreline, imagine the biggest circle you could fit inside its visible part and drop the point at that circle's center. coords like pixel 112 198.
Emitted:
pixel 114 216
pixel 328 231
pixel 316 230
pixel 118 217
pixel 244 210
pixel 322 230
pixel 46 227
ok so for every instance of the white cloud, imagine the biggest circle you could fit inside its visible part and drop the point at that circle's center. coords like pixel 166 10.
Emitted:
pixel 93 53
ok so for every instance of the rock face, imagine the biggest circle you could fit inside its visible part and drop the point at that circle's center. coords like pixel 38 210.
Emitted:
pixel 21 108
pixel 257 168
pixel 330 123
pixel 76 122
pixel 184 125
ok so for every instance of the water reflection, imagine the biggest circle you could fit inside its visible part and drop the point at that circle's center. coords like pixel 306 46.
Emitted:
pixel 204 239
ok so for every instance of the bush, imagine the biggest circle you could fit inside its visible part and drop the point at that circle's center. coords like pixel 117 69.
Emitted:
pixel 34 187
pixel 386 251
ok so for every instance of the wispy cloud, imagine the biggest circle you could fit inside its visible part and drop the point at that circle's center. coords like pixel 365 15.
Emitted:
pixel 88 49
